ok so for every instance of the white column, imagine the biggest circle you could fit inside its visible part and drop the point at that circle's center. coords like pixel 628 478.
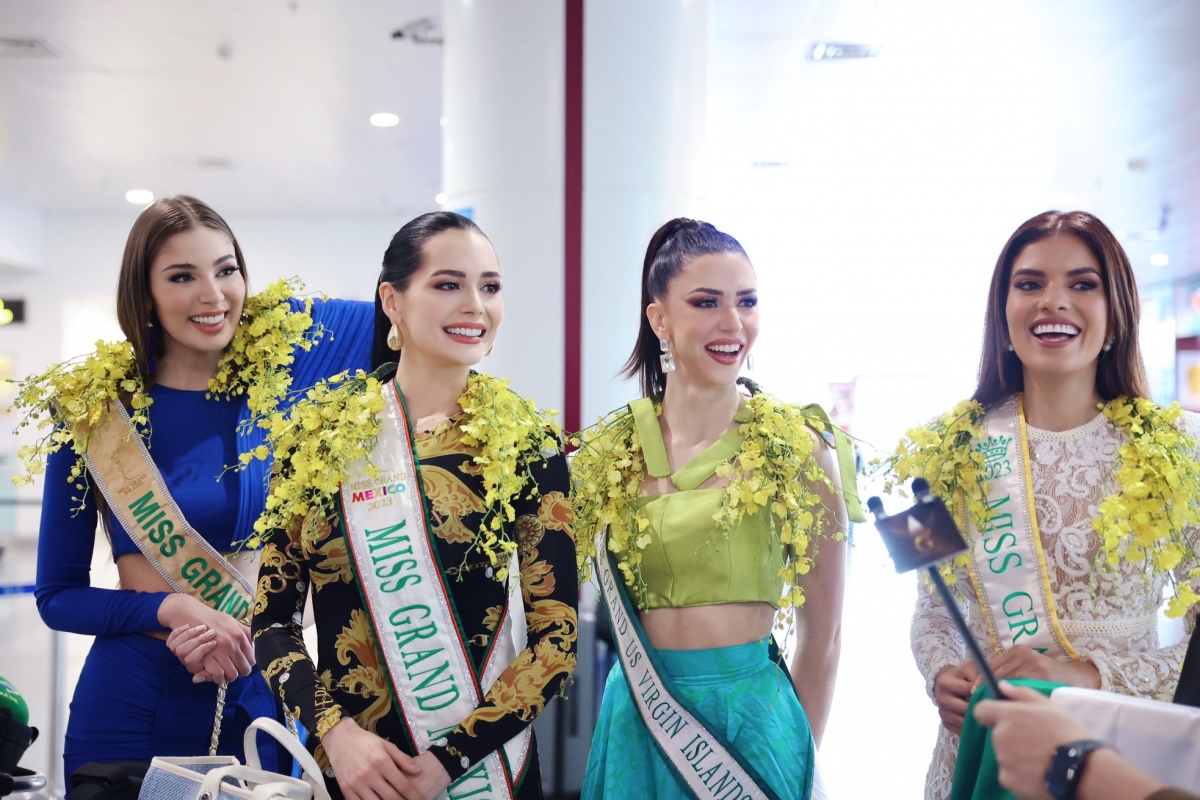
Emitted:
pixel 502 158
pixel 645 88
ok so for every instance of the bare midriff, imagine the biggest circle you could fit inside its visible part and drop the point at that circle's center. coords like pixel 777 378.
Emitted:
pixel 703 627
pixel 139 575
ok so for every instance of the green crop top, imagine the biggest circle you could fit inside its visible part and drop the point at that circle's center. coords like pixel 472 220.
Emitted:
pixel 690 561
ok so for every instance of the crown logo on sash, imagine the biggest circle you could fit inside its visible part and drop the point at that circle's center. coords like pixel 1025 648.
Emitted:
pixel 994 448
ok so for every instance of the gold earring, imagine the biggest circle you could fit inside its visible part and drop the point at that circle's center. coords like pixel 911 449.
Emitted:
pixel 394 340
pixel 489 352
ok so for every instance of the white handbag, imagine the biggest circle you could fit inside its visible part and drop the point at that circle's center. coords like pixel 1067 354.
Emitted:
pixel 223 778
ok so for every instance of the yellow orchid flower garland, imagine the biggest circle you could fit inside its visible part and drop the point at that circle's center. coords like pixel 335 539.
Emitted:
pixel 774 469
pixel 941 453
pixel 1144 521
pixel 74 393
pixel 338 422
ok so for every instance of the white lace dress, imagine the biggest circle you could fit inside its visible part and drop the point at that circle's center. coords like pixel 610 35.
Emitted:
pixel 1112 624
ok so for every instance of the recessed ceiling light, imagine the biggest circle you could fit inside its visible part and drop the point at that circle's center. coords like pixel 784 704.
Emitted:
pixel 140 197
pixel 440 198
pixel 384 120
pixel 1159 260
pixel 830 51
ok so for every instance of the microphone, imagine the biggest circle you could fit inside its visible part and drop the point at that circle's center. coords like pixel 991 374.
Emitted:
pixel 921 537
pixel 875 506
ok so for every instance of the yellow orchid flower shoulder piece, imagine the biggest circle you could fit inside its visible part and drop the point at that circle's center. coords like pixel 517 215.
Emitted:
pixel 1150 519
pixel 69 397
pixel 941 453
pixel 337 423
pixel 774 470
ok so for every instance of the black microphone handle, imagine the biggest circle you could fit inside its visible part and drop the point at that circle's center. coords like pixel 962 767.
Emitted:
pixel 972 646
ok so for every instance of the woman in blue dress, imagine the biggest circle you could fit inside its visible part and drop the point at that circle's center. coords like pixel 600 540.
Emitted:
pixel 201 357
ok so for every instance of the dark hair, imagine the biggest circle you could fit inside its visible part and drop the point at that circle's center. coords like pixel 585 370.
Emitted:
pixel 1120 371
pixel 153 228
pixel 671 248
pixel 401 261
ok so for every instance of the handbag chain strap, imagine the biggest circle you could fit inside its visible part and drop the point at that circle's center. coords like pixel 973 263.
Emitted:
pixel 216 733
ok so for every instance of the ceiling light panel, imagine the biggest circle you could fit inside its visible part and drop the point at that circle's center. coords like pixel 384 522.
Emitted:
pixel 841 51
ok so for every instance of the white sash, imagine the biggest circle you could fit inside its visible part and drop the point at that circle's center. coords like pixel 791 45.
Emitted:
pixel 137 495
pixel 1008 566
pixel 699 757
pixel 412 613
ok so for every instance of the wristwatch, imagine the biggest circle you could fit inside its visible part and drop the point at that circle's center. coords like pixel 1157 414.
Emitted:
pixel 1066 768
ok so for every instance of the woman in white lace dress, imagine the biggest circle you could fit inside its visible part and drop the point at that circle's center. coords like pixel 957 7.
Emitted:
pixel 1060 340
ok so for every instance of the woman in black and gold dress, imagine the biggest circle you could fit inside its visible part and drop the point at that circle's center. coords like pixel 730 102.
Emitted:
pixel 485 481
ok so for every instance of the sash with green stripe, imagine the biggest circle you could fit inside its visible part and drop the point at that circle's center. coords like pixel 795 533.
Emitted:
pixel 1008 565
pixel 412 611
pixel 134 489
pixel 701 757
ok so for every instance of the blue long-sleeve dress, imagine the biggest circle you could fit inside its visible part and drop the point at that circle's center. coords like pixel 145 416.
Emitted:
pixel 134 699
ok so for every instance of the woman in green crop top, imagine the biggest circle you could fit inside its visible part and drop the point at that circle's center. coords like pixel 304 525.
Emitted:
pixel 710 511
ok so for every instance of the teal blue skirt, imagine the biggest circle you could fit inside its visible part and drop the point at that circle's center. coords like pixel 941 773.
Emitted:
pixel 738 692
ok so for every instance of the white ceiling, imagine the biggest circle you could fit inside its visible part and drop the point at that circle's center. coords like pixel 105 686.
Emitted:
pixel 1044 102
pixel 142 97
pixel 1048 99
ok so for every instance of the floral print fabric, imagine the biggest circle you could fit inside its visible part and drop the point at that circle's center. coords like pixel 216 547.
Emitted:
pixel 348 678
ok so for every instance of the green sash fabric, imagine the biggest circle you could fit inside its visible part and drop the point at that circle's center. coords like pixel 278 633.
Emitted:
pixel 976 773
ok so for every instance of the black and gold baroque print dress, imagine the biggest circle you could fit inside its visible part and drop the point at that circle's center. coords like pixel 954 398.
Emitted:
pixel 349 678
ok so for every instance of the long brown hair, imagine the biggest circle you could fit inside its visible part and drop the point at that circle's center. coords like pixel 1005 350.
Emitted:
pixel 161 220
pixel 1120 371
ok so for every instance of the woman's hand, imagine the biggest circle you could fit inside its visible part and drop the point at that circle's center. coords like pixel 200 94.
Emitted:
pixel 433 779
pixel 190 643
pixel 1023 662
pixel 952 690
pixel 370 768
pixel 232 652
pixel 1025 733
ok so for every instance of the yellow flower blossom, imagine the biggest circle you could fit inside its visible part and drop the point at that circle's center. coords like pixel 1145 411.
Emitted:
pixel 337 423
pixel 69 397
pixel 774 469
pixel 1150 520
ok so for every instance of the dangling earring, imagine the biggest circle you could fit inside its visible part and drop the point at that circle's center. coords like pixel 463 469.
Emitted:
pixel 394 340
pixel 489 352
pixel 666 360
pixel 750 361
pixel 150 349
pixel 1109 344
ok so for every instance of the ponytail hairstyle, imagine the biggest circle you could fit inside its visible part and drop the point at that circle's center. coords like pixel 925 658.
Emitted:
pixel 401 261
pixel 154 227
pixel 1121 370
pixel 672 247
